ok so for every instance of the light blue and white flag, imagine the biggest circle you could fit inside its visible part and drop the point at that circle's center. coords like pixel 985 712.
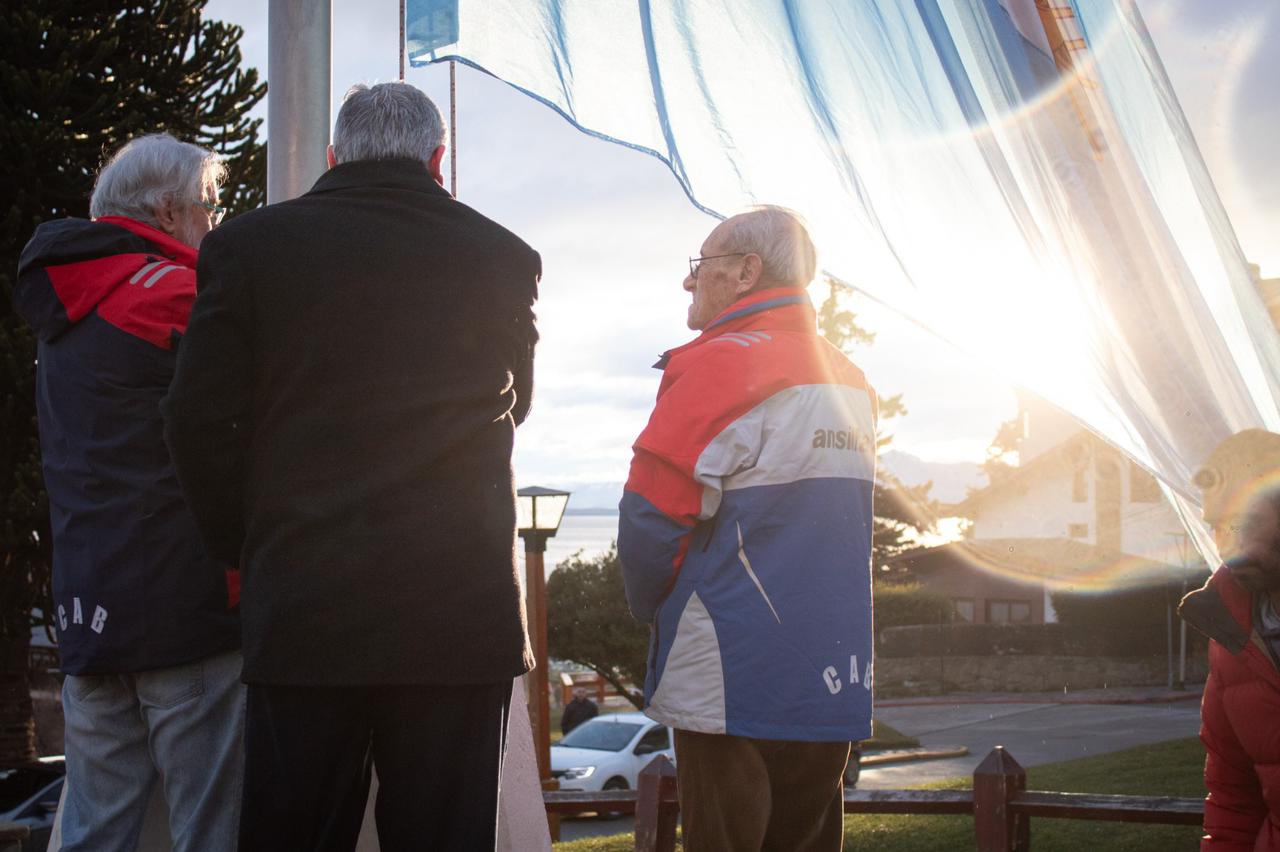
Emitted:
pixel 1015 176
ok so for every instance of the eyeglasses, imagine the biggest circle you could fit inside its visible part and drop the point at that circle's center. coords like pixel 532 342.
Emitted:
pixel 696 262
pixel 216 212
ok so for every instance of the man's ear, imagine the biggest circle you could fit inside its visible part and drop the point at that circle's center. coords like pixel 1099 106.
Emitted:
pixel 167 216
pixel 749 273
pixel 433 165
pixel 328 155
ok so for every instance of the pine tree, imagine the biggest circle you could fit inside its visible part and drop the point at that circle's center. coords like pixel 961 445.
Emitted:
pixel 902 511
pixel 78 79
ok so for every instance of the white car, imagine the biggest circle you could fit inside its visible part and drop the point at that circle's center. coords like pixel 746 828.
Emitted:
pixel 608 752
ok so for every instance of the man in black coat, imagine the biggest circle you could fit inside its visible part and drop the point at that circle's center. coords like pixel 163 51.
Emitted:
pixel 342 421
pixel 579 709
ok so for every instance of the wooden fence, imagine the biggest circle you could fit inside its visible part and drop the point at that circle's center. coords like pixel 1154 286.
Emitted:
pixel 12 835
pixel 1000 804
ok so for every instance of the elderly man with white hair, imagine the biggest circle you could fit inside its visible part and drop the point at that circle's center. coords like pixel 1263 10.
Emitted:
pixel 342 421
pixel 146 619
pixel 745 541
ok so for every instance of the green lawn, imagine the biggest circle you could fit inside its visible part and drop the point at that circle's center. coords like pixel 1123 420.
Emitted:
pixel 1166 769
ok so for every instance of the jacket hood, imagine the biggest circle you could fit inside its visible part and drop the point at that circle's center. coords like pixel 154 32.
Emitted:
pixel 71 266
pixel 785 308
pixel 1220 610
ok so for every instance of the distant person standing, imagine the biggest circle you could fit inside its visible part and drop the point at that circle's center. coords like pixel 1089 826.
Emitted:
pixel 342 420
pixel 148 632
pixel 579 709
pixel 1239 610
pixel 745 541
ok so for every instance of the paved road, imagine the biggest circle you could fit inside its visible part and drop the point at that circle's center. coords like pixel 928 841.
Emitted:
pixel 1032 733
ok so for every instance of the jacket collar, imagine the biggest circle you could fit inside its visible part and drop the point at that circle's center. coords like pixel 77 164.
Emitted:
pixel 385 174
pixel 781 308
pixel 1221 610
pixel 165 244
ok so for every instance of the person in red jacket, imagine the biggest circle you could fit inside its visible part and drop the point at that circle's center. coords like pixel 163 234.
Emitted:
pixel 147 618
pixel 1239 610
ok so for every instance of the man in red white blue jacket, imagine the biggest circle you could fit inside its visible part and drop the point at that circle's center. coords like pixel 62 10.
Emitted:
pixel 745 540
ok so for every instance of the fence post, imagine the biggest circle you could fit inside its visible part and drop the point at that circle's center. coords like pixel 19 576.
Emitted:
pixel 996 781
pixel 12 836
pixel 657 807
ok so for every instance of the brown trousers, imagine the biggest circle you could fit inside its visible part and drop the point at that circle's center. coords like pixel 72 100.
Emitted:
pixel 746 795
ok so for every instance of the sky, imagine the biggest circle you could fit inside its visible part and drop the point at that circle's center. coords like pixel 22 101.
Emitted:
pixel 615 229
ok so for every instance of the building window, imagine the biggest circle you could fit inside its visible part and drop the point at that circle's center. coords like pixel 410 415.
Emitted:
pixel 1078 530
pixel 1008 612
pixel 963 609
pixel 1143 487
pixel 1079 486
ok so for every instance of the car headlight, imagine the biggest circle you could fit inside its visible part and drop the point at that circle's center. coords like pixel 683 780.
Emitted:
pixel 577 772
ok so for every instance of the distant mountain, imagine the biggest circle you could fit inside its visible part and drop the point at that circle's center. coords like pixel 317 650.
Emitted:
pixel 592 496
pixel 951 480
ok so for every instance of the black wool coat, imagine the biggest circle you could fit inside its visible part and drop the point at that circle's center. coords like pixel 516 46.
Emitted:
pixel 341 420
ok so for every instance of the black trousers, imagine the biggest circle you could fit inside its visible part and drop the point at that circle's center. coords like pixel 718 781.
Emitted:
pixel 309 751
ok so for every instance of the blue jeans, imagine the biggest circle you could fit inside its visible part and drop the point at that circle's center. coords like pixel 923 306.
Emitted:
pixel 182 726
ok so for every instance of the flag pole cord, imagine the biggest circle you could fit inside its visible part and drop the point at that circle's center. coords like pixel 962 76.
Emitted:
pixel 403 47
pixel 453 104
pixel 453 128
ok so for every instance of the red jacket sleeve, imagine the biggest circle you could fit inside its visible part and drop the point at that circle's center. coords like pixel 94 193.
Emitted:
pixel 666 493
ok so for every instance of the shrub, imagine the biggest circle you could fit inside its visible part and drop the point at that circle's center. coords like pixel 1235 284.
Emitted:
pixel 1146 607
pixel 901 604
pixel 980 640
pixel 588 621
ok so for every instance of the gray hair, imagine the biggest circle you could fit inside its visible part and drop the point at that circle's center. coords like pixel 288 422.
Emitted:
pixel 781 239
pixel 387 121
pixel 149 172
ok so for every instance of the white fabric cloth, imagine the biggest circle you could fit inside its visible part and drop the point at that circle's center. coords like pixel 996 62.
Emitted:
pixel 1041 204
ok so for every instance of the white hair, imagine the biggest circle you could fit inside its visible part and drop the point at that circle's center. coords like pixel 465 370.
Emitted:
pixel 387 121
pixel 149 172
pixel 781 239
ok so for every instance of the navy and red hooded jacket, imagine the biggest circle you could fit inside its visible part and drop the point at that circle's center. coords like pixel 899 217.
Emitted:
pixel 133 588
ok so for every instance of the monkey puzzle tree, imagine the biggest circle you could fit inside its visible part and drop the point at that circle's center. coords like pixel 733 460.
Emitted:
pixel 79 78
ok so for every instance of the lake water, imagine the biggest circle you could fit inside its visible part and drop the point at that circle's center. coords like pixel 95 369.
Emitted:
pixel 592 534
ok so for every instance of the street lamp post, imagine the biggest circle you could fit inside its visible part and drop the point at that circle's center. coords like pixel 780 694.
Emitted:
pixel 538 514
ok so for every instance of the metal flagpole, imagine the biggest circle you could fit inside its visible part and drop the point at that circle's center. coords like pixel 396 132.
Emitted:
pixel 403 49
pixel 298 54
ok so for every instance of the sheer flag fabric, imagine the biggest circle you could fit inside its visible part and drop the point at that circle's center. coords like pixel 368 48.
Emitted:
pixel 1015 176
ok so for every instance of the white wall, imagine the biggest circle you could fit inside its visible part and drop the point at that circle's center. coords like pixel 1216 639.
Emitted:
pixel 1150 529
pixel 1042 509
pixel 1045 426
